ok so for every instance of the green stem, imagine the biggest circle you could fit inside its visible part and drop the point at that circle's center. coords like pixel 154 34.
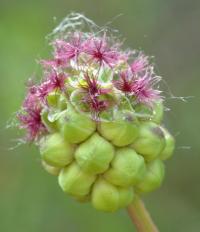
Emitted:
pixel 140 217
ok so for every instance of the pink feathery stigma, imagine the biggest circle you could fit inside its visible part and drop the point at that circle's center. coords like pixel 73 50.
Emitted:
pixel 125 83
pixel 57 80
pixel 31 97
pixel 143 90
pixel 139 64
pixel 52 82
pixel 92 86
pixel 98 50
pixel 30 120
pixel 65 51
pixel 30 116
pixel 43 90
pixel 93 92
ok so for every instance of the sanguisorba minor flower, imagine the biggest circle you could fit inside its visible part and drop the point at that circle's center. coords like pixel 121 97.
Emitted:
pixel 96 117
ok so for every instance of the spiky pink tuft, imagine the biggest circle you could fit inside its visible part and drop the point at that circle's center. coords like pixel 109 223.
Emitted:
pixel 99 51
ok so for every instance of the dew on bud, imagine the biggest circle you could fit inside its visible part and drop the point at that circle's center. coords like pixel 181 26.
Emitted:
pixel 127 168
pixel 51 126
pixel 95 154
pixel 169 145
pixel 153 177
pixel 150 141
pixel 74 181
pixel 76 127
pixel 55 151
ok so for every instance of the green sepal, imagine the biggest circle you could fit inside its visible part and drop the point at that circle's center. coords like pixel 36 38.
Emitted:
pixel 158 111
pixel 53 98
pixel 169 145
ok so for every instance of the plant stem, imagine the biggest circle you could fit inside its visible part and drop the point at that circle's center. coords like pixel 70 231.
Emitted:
pixel 140 217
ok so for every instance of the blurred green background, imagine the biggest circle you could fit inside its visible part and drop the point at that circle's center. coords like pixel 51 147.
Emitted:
pixel 30 199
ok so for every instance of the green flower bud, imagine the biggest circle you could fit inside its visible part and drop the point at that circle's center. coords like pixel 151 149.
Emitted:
pixel 169 145
pixel 126 196
pixel 105 196
pixel 122 131
pixel 55 151
pixel 109 198
pixel 150 141
pixel 153 177
pixel 95 154
pixel 74 181
pixel 127 168
pixel 51 126
pixel 51 169
pixel 76 127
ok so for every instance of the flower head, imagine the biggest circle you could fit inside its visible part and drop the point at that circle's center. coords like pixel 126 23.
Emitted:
pixel 96 118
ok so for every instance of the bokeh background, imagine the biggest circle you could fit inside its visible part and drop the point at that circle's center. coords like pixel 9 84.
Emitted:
pixel 30 199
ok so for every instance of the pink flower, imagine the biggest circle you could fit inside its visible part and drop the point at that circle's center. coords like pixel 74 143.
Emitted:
pixel 140 63
pixel 93 92
pixel 30 116
pixel 141 87
pixel 92 87
pixel 98 50
pixel 53 81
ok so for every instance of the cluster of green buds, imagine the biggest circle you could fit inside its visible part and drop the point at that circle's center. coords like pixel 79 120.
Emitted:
pixel 96 117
